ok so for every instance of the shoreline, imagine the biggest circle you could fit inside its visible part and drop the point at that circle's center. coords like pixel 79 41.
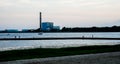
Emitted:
pixel 62 38
pixel 56 32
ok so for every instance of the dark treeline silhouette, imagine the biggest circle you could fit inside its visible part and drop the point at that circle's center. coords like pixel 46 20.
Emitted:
pixel 74 29
pixel 85 29
pixel 92 29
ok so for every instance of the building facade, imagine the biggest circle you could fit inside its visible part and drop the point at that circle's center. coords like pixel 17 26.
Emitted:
pixel 47 26
pixel 11 30
pixel 56 27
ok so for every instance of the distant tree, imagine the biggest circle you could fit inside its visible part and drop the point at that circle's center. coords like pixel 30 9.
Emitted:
pixel 64 29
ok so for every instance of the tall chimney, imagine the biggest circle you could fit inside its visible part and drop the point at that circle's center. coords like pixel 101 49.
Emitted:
pixel 40 21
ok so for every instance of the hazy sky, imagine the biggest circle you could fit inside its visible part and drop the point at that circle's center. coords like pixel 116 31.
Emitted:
pixel 23 14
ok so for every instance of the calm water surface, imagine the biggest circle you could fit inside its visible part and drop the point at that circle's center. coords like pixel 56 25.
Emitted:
pixel 10 45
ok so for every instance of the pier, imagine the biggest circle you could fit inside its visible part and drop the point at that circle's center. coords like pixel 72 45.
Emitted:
pixel 62 38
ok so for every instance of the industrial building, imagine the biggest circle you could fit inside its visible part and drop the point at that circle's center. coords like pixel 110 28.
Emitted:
pixel 47 26
pixel 11 30
pixel 56 27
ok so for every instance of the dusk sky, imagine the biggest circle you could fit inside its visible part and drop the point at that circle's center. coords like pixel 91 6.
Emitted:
pixel 24 14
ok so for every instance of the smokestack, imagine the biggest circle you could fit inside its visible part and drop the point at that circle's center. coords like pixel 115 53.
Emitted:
pixel 40 21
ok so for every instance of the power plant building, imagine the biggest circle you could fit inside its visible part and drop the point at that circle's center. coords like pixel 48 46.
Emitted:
pixel 47 26
pixel 56 27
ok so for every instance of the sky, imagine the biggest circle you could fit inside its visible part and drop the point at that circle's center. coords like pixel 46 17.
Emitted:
pixel 24 14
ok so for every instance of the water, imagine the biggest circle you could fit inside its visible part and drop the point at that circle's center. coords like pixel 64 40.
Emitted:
pixel 25 44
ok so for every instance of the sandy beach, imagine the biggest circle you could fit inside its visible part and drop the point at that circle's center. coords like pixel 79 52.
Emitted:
pixel 100 58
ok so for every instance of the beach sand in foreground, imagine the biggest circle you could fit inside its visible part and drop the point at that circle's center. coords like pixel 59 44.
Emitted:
pixel 100 58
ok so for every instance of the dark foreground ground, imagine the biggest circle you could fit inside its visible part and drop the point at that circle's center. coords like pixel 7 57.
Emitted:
pixel 55 52
pixel 100 58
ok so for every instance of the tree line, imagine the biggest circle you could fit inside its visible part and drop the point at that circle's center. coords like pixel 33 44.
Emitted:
pixel 77 29
pixel 91 29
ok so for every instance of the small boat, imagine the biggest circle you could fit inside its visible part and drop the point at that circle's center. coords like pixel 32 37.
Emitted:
pixel 40 33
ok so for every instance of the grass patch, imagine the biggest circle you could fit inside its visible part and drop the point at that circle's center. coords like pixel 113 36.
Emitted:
pixel 54 52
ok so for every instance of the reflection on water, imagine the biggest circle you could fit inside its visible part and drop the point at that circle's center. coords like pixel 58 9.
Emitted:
pixel 9 45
